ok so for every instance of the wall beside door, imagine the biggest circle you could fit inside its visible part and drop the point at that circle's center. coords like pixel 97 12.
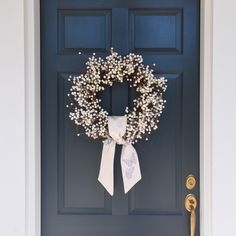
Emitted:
pixel 12 118
pixel 13 154
pixel 224 117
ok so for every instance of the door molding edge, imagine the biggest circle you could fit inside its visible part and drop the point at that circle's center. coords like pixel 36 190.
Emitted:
pixel 206 87
pixel 33 129
pixel 32 118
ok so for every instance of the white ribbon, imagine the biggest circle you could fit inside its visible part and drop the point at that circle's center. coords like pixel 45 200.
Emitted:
pixel 129 159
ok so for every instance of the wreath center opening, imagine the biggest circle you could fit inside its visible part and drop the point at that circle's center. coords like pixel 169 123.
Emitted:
pixel 117 98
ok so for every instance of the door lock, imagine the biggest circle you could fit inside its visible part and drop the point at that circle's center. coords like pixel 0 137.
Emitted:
pixel 191 205
pixel 190 182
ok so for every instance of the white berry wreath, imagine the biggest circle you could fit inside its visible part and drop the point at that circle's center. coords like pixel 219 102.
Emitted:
pixel 147 108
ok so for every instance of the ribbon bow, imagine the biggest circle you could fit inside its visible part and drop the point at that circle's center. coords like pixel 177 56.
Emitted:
pixel 129 159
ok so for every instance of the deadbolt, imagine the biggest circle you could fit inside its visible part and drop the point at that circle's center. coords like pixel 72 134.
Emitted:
pixel 190 182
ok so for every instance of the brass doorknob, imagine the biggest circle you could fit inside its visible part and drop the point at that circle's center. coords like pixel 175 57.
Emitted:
pixel 190 205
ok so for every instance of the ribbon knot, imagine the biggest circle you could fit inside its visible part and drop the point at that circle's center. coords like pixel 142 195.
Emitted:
pixel 130 168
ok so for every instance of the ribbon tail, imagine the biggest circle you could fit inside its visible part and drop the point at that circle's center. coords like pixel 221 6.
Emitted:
pixel 130 167
pixel 106 172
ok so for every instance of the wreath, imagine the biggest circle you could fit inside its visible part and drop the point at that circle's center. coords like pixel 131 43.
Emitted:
pixel 147 107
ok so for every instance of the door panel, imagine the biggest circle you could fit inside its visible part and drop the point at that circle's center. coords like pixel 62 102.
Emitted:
pixel 166 24
pixel 165 32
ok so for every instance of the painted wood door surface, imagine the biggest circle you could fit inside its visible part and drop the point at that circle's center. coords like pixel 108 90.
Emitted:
pixel 74 203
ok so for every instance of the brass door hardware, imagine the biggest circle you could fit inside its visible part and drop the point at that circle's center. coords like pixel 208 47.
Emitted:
pixel 190 182
pixel 190 205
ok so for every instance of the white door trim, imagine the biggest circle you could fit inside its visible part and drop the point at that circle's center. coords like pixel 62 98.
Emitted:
pixel 32 117
pixel 32 114
pixel 206 62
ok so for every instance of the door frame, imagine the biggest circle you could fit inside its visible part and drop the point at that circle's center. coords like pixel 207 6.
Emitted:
pixel 33 129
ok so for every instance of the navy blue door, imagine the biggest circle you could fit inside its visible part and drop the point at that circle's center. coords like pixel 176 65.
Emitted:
pixel 165 32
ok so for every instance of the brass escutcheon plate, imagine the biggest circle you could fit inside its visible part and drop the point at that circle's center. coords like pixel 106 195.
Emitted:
pixel 190 182
pixel 190 202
